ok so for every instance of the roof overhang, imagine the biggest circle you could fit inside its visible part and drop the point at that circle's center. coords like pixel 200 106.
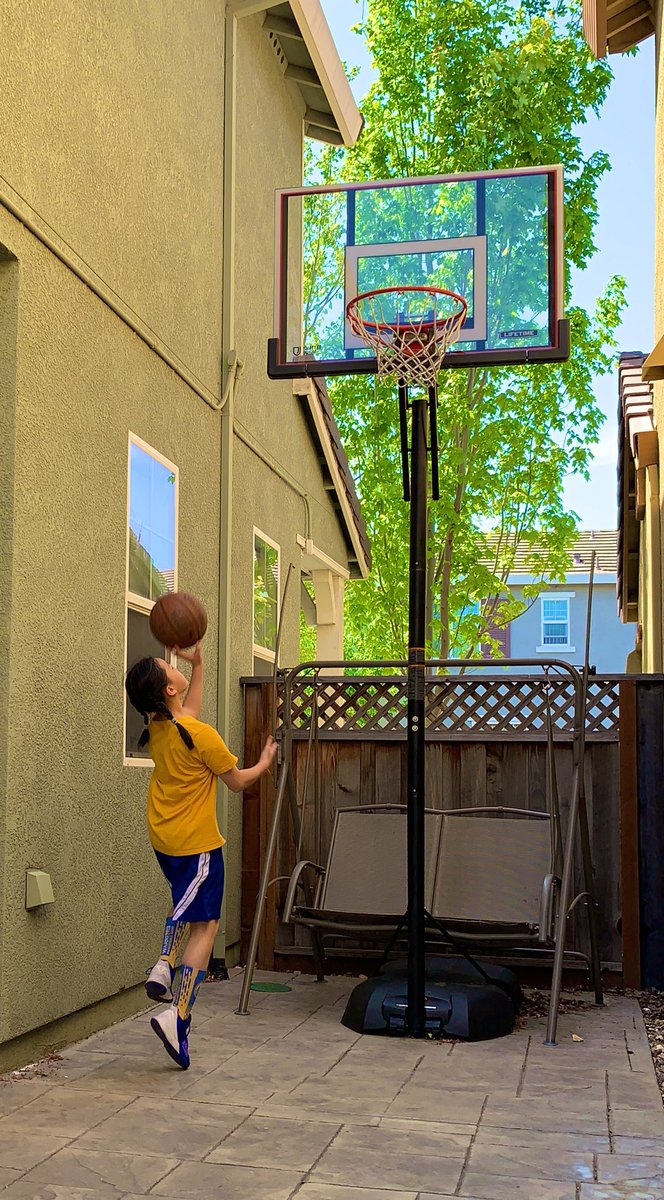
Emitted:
pixel 612 26
pixel 339 481
pixel 653 367
pixel 299 32
pixel 637 450
pixel 572 578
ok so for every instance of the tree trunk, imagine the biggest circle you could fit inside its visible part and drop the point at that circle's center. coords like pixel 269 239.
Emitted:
pixel 445 580
pixel 431 582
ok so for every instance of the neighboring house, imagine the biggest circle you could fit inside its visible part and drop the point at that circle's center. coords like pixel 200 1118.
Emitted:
pixel 614 28
pixel 554 625
pixel 142 445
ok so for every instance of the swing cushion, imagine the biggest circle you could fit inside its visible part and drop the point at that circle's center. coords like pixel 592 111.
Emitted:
pixel 491 869
pixel 367 870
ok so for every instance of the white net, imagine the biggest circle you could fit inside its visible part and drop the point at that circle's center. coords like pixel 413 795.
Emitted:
pixel 408 328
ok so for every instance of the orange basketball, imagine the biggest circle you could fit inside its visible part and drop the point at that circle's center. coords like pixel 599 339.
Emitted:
pixel 178 619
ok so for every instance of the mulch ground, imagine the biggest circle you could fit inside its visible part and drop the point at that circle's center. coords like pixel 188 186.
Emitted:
pixel 652 1007
pixel 536 1004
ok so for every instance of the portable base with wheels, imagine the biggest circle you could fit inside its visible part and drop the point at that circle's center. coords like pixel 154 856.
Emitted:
pixel 452 1008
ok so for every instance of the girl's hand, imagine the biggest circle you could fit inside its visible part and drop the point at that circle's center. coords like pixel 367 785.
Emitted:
pixel 269 752
pixel 192 656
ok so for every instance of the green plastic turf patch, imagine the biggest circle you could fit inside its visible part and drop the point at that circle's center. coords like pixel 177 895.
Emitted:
pixel 270 987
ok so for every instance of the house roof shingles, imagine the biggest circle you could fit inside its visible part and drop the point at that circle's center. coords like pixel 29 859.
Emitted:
pixel 603 541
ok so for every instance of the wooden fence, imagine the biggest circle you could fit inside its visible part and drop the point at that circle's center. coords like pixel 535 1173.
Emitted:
pixel 486 744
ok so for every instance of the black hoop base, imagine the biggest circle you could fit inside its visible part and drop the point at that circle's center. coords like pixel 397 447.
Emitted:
pixel 453 1007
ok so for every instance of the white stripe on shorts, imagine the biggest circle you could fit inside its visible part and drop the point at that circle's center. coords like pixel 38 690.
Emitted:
pixel 199 878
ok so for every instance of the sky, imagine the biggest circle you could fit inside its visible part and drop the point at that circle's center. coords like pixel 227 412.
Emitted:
pixel 624 235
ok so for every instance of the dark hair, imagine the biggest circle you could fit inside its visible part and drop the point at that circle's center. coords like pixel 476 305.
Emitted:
pixel 145 683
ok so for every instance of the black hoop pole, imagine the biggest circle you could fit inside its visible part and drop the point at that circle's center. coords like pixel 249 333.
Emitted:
pixel 416 1020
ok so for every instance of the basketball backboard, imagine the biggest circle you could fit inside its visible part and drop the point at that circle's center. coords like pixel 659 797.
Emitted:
pixel 495 237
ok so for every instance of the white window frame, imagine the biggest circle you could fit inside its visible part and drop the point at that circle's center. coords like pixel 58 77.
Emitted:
pixel 552 648
pixel 261 651
pixel 132 599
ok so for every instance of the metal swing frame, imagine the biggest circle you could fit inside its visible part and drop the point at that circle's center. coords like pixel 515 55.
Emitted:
pixel 562 847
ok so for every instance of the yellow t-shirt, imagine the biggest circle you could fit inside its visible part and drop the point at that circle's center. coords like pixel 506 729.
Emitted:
pixel 182 796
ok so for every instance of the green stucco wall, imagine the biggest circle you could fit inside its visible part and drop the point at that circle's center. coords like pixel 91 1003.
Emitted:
pixel 111 126
pixel 72 809
pixel 111 132
pixel 658 388
pixel 8 346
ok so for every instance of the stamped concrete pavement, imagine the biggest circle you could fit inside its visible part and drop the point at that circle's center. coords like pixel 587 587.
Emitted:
pixel 286 1103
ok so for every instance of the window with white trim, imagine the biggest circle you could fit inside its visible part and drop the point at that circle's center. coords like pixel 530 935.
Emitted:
pixel 152 537
pixel 555 621
pixel 266 600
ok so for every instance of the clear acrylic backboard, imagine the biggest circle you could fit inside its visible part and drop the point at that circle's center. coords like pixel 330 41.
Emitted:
pixel 495 238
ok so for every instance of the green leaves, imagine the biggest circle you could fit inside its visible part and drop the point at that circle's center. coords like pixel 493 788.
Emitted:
pixel 465 86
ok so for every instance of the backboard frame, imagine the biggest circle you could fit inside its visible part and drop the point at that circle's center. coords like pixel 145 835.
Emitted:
pixel 279 366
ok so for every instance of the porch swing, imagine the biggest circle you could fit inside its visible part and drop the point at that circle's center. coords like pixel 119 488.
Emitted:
pixel 498 879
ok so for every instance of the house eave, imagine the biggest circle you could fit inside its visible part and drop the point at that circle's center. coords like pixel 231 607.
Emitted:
pixel 578 578
pixel 300 32
pixel 637 450
pixel 339 484
pixel 614 26
pixel 653 367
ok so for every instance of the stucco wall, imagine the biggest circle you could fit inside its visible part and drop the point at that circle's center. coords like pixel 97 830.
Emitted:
pixel 658 388
pixel 112 133
pixel 83 381
pixel 8 345
pixel 111 126
pixel 610 641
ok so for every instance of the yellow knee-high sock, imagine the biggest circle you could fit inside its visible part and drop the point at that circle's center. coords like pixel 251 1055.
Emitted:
pixel 174 935
pixel 184 994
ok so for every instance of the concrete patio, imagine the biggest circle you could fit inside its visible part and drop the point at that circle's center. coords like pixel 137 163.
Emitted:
pixel 287 1103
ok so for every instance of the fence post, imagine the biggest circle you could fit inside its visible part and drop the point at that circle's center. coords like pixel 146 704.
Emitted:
pixel 650 749
pixel 256 812
pixel 629 836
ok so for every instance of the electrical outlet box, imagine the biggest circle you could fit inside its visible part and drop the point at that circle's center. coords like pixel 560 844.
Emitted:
pixel 38 889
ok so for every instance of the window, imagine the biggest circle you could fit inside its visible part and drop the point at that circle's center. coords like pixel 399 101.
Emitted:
pixel 151 562
pixel 556 622
pixel 266 600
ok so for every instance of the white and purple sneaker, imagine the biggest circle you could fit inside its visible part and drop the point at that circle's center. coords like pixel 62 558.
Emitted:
pixel 158 982
pixel 173 1032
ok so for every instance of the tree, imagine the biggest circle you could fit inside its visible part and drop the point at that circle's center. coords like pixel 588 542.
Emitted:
pixel 465 86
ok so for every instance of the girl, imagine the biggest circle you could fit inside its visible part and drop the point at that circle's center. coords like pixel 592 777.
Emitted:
pixel 188 757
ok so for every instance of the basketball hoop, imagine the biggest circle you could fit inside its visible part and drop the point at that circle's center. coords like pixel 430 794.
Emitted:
pixel 426 320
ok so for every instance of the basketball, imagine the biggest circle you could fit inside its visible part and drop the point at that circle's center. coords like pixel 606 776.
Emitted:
pixel 178 619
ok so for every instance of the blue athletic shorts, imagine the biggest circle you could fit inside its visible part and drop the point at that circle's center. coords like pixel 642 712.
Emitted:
pixel 197 884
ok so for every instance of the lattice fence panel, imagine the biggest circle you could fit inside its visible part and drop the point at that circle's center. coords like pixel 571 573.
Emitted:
pixel 457 707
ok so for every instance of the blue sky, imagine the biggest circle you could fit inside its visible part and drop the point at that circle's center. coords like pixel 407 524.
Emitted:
pixel 625 233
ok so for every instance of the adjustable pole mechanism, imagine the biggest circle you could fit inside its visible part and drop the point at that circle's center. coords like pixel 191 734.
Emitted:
pixel 416 1017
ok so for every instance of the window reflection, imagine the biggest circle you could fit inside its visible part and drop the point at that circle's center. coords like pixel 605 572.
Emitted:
pixel 151 525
